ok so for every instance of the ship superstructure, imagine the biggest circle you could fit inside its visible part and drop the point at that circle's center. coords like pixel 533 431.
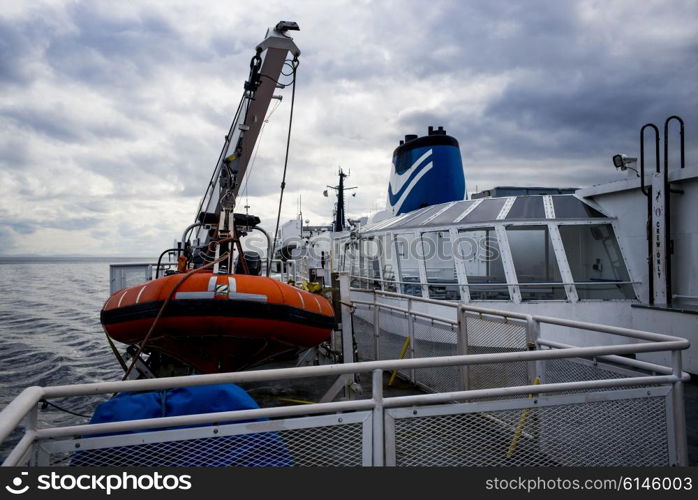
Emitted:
pixel 623 252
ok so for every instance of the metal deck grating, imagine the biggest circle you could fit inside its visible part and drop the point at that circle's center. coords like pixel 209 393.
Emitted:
pixel 629 432
pixel 337 445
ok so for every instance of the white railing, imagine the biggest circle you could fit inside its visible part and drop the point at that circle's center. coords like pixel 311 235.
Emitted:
pixel 126 274
pixel 394 320
pixel 583 420
pixel 463 291
pixel 283 270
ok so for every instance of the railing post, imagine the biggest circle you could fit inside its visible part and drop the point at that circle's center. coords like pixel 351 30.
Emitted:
pixel 36 458
pixel 378 419
pixel 347 334
pixel 462 346
pixel 412 346
pixel 40 457
pixel 376 327
pixel 410 333
pixel 535 368
pixel 679 410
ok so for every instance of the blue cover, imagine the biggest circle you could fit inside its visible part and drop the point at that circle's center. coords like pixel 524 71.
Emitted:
pixel 263 449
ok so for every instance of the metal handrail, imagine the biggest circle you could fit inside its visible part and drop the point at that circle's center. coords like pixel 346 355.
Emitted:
pixel 140 264
pixel 342 406
pixel 533 339
pixel 405 311
pixel 634 363
pixel 413 298
pixel 496 283
pixel 597 327
pixel 444 397
pixel 12 415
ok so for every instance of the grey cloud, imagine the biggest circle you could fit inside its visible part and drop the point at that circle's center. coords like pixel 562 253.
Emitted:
pixel 30 226
pixel 14 152
pixel 72 223
pixel 576 91
pixel 8 239
pixel 17 46
pixel 571 98
pixel 19 227
pixel 100 234
pixel 542 33
pixel 106 50
pixel 92 205
pixel 58 123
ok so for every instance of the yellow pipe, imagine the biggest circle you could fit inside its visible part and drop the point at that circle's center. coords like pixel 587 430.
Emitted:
pixel 522 423
pixel 299 401
pixel 393 375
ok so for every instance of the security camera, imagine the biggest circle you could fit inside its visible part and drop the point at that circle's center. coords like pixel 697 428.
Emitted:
pixel 622 162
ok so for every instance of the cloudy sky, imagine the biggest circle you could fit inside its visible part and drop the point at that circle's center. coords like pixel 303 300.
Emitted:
pixel 112 114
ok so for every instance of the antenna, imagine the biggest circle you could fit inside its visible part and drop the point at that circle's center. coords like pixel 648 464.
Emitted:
pixel 339 220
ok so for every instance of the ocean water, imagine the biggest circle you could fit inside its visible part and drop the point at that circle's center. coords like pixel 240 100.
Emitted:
pixel 50 332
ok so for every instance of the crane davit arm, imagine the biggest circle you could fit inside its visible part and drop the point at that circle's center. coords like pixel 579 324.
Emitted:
pixel 265 70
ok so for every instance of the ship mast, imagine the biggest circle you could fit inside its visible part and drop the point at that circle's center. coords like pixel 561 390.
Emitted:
pixel 339 219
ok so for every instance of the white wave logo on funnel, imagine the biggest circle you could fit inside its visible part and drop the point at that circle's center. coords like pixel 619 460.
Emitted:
pixel 401 185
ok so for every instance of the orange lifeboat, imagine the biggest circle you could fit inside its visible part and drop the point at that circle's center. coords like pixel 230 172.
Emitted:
pixel 218 322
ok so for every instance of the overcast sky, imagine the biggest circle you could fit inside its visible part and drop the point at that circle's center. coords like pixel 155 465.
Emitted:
pixel 112 114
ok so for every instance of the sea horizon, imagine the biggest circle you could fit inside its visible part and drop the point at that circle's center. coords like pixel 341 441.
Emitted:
pixel 34 258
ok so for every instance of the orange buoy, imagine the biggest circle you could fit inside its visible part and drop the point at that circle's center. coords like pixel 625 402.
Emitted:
pixel 219 322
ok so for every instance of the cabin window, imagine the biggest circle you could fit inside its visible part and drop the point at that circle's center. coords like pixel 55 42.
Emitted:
pixel 487 210
pixel 570 207
pixel 479 250
pixel 440 266
pixel 351 261
pixel 596 262
pixel 363 261
pixel 527 207
pixel 406 248
pixel 345 257
pixel 386 260
pixel 336 256
pixel 370 261
pixel 535 263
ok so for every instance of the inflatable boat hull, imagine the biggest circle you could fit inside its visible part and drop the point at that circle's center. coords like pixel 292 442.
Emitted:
pixel 218 323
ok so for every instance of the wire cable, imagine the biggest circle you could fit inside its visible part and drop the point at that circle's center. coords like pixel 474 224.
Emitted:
pixel 288 146
pixel 46 403
pixel 248 173
pixel 216 169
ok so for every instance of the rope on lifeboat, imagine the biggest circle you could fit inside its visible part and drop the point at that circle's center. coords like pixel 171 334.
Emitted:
pixel 184 277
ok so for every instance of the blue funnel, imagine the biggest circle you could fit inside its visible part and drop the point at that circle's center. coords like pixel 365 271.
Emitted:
pixel 426 171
